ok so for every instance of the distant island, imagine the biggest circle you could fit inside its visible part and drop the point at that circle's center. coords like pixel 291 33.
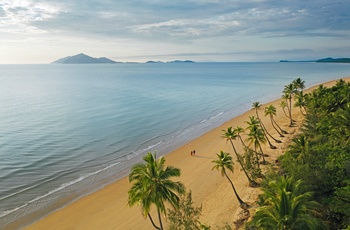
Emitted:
pixel 85 59
pixel 176 61
pixel 325 60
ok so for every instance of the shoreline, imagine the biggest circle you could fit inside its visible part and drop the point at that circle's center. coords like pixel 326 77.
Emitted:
pixel 107 207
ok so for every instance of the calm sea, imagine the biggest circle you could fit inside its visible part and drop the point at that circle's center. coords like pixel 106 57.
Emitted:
pixel 66 130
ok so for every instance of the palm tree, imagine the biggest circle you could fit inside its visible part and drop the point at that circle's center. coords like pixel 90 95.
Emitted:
pixel 283 105
pixel 271 111
pixel 238 131
pixel 299 148
pixel 289 91
pixel 230 135
pixel 224 162
pixel 300 102
pixel 285 207
pixel 256 136
pixel 299 84
pixel 256 106
pixel 152 186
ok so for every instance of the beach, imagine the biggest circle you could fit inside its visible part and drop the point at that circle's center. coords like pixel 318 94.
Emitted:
pixel 107 208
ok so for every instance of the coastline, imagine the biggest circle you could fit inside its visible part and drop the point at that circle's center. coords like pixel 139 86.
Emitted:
pixel 107 208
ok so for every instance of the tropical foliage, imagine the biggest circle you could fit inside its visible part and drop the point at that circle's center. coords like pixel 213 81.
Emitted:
pixel 320 154
pixel 152 186
pixel 232 134
pixel 256 137
pixel 314 173
pixel 186 216
pixel 223 163
pixel 285 206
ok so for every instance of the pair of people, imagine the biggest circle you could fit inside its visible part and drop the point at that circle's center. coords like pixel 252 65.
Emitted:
pixel 193 153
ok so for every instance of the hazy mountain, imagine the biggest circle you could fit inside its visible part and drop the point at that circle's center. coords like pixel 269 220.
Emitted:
pixel 82 59
pixel 329 59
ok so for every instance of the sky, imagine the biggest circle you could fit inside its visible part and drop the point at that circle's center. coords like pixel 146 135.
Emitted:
pixel 42 31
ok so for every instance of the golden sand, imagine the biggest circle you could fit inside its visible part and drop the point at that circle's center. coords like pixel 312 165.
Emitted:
pixel 107 208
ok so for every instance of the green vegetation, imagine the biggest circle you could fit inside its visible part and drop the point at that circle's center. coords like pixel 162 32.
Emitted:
pixel 223 163
pixel 256 137
pixel 230 135
pixel 319 157
pixel 310 190
pixel 152 186
pixel 186 216
pixel 320 154
pixel 285 206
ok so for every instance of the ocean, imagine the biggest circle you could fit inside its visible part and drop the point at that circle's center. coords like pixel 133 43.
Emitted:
pixel 68 130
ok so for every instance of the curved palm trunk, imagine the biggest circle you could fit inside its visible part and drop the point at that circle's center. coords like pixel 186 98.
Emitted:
pixel 271 146
pixel 265 131
pixel 240 162
pixel 244 145
pixel 242 204
pixel 273 125
pixel 290 111
pixel 302 107
pixel 160 220
pixel 262 154
pixel 154 225
pixel 256 155
pixel 283 131
pixel 284 111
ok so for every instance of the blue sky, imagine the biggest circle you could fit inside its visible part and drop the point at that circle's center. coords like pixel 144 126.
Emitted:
pixel 41 31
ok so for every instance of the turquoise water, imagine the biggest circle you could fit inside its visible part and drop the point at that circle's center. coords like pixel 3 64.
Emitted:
pixel 66 130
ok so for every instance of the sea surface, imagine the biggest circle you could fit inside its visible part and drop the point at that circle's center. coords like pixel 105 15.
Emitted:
pixel 67 130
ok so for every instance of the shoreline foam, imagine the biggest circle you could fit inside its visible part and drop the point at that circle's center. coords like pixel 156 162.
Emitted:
pixel 106 208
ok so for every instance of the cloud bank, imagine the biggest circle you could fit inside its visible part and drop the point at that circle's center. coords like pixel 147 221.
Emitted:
pixel 138 28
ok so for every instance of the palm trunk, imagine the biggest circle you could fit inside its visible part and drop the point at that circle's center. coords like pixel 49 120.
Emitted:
pixel 290 111
pixel 240 162
pixel 256 155
pixel 273 125
pixel 242 204
pixel 305 110
pixel 284 111
pixel 271 146
pixel 283 131
pixel 155 226
pixel 262 154
pixel 239 136
pixel 265 131
pixel 160 220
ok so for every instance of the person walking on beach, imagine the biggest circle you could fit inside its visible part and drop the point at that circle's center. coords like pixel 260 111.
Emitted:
pixel 191 153
pixel 194 152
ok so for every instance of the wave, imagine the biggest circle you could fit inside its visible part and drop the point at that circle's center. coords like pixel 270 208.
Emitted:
pixel 53 191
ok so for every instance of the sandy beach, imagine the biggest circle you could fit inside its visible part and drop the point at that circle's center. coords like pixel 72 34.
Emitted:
pixel 107 208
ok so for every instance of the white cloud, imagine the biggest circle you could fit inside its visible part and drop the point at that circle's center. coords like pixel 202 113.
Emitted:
pixel 161 27
pixel 18 15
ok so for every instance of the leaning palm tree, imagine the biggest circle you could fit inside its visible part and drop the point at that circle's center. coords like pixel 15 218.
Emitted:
pixel 271 111
pixel 238 131
pixel 256 137
pixel 223 163
pixel 300 102
pixel 257 106
pixel 230 135
pixel 288 93
pixel 283 105
pixel 299 84
pixel 285 207
pixel 152 186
